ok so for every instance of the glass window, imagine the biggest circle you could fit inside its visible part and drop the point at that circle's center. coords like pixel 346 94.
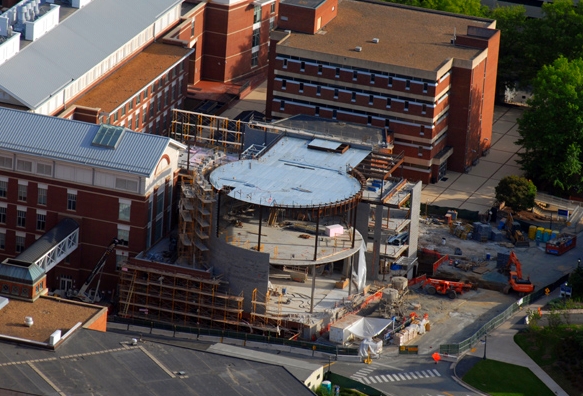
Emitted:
pixel 42 196
pixel 124 211
pixel 272 9
pixel 123 236
pixel 256 37
pixel 44 169
pixel 22 192
pixel 158 229
pixel 119 260
pixel 2 215
pixel 131 104
pixel 19 244
pixel 41 220
pixel 2 241
pixel 159 203
pixel 257 14
pixel 6 162
pixel 25 166
pixel 71 201
pixel 21 218
pixel 3 188
pixel 254 59
pixel 123 110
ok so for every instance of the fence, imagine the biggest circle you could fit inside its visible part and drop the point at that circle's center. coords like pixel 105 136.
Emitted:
pixel 237 335
pixel 457 349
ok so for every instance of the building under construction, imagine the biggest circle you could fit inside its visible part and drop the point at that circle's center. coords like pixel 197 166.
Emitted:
pixel 280 226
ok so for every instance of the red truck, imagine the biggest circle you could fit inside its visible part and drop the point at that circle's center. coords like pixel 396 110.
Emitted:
pixel 561 244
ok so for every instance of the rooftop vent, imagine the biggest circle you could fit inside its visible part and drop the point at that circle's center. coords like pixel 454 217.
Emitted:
pixel 358 49
pixel 375 40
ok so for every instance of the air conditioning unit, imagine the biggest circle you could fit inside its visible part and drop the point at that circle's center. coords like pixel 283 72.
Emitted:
pixel 358 49
pixel 375 40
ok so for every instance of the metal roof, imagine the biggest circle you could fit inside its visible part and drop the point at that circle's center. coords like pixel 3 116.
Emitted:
pixel 65 140
pixel 48 241
pixel 75 46
pixel 291 174
pixel 12 269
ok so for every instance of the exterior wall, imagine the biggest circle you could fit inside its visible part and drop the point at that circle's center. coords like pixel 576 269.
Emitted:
pixel 307 20
pixel 98 322
pixel 22 291
pixel 228 40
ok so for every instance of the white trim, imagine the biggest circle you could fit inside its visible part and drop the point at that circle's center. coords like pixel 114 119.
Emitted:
pixel 23 182
pixel 123 227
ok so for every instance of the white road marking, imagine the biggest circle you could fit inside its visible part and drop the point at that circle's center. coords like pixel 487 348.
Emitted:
pixel 413 375
pixel 366 381
pixel 390 377
pixel 384 378
pixel 430 373
pixel 402 377
pixel 436 373
pixel 372 380
pixel 425 374
pixel 407 375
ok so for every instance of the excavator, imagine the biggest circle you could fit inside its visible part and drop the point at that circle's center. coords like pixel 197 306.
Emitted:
pixel 93 295
pixel 450 288
pixel 515 280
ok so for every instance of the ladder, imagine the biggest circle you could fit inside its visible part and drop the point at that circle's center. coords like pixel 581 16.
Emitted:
pixel 130 293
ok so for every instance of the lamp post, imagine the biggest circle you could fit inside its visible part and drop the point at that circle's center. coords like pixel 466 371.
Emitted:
pixel 485 344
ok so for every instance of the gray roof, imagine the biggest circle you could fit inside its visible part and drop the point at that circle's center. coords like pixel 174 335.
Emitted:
pixel 75 46
pixel 292 174
pixel 146 371
pixel 65 140
pixel 48 241
pixel 12 269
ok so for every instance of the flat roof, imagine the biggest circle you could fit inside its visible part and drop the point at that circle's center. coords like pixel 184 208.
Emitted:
pixel 408 36
pixel 133 76
pixel 313 4
pixel 93 362
pixel 60 139
pixel 293 175
pixel 75 46
pixel 48 314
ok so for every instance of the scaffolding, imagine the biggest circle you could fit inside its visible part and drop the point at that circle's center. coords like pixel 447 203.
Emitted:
pixel 153 294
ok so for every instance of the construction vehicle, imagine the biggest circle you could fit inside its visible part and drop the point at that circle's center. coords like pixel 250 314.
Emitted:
pixel 515 280
pixel 92 296
pixel 514 233
pixel 449 288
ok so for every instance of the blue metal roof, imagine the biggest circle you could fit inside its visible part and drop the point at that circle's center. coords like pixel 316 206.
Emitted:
pixel 65 140
pixel 75 46
pixel 12 269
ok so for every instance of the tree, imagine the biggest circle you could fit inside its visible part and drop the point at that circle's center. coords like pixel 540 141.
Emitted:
pixel 517 192
pixel 551 129
pixel 466 7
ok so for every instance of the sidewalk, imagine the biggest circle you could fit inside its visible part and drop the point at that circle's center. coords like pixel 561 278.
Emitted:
pixel 500 346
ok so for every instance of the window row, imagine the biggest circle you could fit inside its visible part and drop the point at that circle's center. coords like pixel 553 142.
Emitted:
pixel 27 166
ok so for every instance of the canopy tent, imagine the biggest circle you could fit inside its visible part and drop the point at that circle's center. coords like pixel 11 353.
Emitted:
pixel 369 327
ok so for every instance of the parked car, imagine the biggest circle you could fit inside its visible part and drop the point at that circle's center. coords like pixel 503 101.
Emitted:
pixel 398 240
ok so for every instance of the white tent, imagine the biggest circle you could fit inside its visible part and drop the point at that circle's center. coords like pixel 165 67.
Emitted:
pixel 369 327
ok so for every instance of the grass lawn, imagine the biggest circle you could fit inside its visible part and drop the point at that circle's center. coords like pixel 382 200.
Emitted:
pixel 503 379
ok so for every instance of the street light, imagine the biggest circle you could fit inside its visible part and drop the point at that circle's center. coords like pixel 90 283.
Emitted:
pixel 485 344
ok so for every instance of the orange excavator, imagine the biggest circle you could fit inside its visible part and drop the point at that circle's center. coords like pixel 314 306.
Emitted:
pixel 515 280
pixel 450 288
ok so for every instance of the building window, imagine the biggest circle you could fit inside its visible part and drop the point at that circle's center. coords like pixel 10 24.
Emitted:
pixel 152 108
pixel 123 110
pixel 115 117
pixel 337 72
pixel 335 94
pixel 370 99
pixel 138 99
pixel 420 152
pixel 255 59
pixel 174 92
pixel 3 188
pixel 71 201
pixel 283 84
pixel 19 244
pixel 125 184
pixel 192 28
pixel 317 111
pixel 44 169
pixel 319 69
pixel 425 87
pixel 5 288
pixel 22 192
pixel 353 97
pixel 408 84
pixel 334 114
pixel 159 103
pixel 158 229
pixel 124 236
pixel 119 260
pixel 124 210
pixel 25 166
pixel 15 290
pixel 165 98
pixel 424 109
pixel 2 215
pixel 369 120
pixel 256 37
pixel 131 104
pixel 21 218
pixel 354 75
pixel 406 106
pixel 285 63
pixel 282 105
pixel 390 81
pixel 144 116
pixel 318 90
pixel 41 220
pixel 303 66
pixel 2 241
pixel 301 87
pixel 372 77
pixel 257 14
pixel 145 94
pixel 160 203
pixel 42 196
pixel 272 23
pixel 272 9
pixel 388 103
pixel 6 162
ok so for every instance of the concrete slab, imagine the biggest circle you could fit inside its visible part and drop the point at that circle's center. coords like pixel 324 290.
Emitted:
pixel 456 195
pixel 482 200
pixel 513 160
pixel 475 207
pixel 487 189
pixel 506 143
pixel 497 157
pixel 502 126
pixel 507 170
pixel 448 203
pixel 468 183
pixel 434 189
pixel 496 137
pixel 485 168
pixel 513 131
pixel 448 179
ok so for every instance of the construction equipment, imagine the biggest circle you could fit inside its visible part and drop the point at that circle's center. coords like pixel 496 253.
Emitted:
pixel 449 288
pixel 93 295
pixel 515 280
pixel 561 244
pixel 514 233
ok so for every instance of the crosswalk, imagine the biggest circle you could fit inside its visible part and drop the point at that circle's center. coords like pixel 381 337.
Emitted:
pixel 365 376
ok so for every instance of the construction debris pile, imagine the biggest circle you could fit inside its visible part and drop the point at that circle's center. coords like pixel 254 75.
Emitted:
pixel 417 327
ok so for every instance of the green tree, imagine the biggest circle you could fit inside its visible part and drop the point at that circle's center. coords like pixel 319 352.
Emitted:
pixel 551 129
pixel 517 192
pixel 466 7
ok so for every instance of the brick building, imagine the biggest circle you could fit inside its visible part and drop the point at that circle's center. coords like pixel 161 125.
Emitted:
pixel 428 77
pixel 111 181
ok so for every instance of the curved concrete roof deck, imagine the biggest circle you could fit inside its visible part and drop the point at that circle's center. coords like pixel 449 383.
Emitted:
pixel 296 173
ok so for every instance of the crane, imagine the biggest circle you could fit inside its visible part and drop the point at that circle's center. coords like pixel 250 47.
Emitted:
pixel 515 281
pixel 82 294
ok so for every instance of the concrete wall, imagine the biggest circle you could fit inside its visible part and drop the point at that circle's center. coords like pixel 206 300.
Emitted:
pixel 414 216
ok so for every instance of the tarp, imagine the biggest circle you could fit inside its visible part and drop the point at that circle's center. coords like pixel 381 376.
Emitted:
pixel 376 347
pixel 359 276
pixel 369 327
